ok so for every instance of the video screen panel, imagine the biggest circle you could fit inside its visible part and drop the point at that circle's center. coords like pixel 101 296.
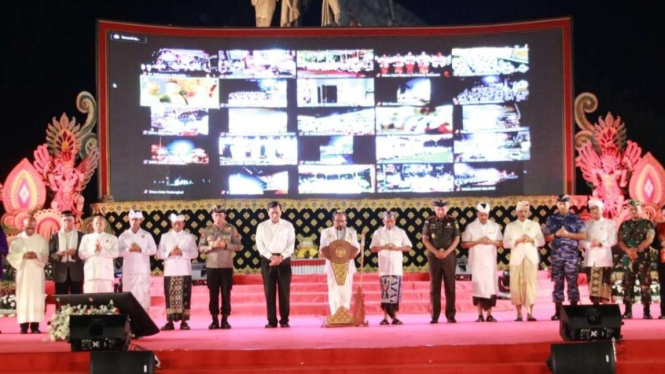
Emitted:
pixel 413 113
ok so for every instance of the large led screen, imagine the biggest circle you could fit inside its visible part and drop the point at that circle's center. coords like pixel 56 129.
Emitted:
pixel 385 113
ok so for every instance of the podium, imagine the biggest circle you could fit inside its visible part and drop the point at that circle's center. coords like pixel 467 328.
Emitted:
pixel 339 253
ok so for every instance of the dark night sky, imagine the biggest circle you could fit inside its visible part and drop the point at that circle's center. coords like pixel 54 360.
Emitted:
pixel 49 55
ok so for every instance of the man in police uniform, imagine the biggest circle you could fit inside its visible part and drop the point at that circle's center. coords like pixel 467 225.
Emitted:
pixel 219 242
pixel 564 229
pixel 441 236
pixel 635 237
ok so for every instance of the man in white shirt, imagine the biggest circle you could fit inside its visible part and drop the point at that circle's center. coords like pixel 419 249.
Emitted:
pixel 390 242
pixel 67 265
pixel 275 241
pixel 339 295
pixel 523 237
pixel 98 250
pixel 601 237
pixel 482 237
pixel 177 248
pixel 28 254
pixel 136 246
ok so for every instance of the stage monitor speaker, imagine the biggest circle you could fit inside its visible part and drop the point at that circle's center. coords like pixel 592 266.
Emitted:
pixel 583 358
pixel 99 332
pixel 140 322
pixel 590 322
pixel 132 362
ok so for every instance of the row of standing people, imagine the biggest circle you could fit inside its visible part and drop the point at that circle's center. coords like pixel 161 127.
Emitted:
pixel 84 263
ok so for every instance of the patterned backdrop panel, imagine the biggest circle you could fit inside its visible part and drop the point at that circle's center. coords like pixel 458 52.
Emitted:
pixel 309 217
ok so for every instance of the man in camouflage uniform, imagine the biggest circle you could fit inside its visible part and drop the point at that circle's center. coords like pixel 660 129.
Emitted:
pixel 564 229
pixel 219 242
pixel 635 236
pixel 441 236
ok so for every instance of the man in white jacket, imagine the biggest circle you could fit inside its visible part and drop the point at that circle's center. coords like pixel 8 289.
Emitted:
pixel 339 295
pixel 482 237
pixel 98 250
pixel 523 237
pixel 136 246
pixel 28 254
pixel 177 248
pixel 601 236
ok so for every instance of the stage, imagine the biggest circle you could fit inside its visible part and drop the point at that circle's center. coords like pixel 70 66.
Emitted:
pixel 306 347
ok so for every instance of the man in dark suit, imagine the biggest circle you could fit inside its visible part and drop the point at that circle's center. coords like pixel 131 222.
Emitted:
pixel 67 265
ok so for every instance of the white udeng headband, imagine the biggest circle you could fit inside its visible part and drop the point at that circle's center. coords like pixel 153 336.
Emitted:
pixel 522 204
pixel 177 217
pixel 135 214
pixel 483 208
pixel 596 202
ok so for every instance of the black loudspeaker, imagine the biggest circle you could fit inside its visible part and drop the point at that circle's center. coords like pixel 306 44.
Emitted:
pixel 132 362
pixel 99 332
pixel 590 322
pixel 583 358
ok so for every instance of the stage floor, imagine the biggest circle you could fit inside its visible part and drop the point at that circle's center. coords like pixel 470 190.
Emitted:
pixel 417 347
pixel 249 333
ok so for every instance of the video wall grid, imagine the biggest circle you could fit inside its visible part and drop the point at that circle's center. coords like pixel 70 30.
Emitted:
pixel 193 119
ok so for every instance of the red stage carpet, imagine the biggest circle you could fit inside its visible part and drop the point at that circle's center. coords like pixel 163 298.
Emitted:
pixel 415 347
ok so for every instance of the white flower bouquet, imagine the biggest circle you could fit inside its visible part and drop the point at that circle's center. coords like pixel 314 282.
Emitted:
pixel 8 306
pixel 58 329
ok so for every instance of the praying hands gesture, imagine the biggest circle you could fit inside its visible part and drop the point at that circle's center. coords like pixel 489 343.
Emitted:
pixel 525 239
pixel 176 251
pixel 30 255
pixel 135 248
pixel 98 246
pixel 562 233
pixel 219 244
pixel 596 243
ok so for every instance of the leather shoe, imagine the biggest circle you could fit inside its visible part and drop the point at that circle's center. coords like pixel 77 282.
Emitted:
pixel 452 320
pixel 480 318
pixel 434 321
pixel 168 327
pixel 491 318
pixel 184 326
pixel 225 325
pixel 284 324
pixel 214 325
pixel 530 318
pixel 270 326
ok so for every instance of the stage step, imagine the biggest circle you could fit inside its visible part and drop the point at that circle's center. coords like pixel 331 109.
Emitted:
pixel 309 295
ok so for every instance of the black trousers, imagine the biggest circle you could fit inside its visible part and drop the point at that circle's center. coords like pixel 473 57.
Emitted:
pixel 68 286
pixel 442 270
pixel 220 280
pixel 661 279
pixel 274 278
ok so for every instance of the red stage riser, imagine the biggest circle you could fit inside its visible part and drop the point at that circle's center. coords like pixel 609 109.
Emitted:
pixel 634 357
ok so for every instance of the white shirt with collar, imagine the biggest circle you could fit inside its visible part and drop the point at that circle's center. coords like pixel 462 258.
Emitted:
pixel 67 240
pixel 390 261
pixel 604 231
pixel 136 262
pixel 513 232
pixel 329 235
pixel 98 265
pixel 181 265
pixel 275 239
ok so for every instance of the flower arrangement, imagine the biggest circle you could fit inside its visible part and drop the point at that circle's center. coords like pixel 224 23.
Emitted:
pixel 8 306
pixel 58 329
